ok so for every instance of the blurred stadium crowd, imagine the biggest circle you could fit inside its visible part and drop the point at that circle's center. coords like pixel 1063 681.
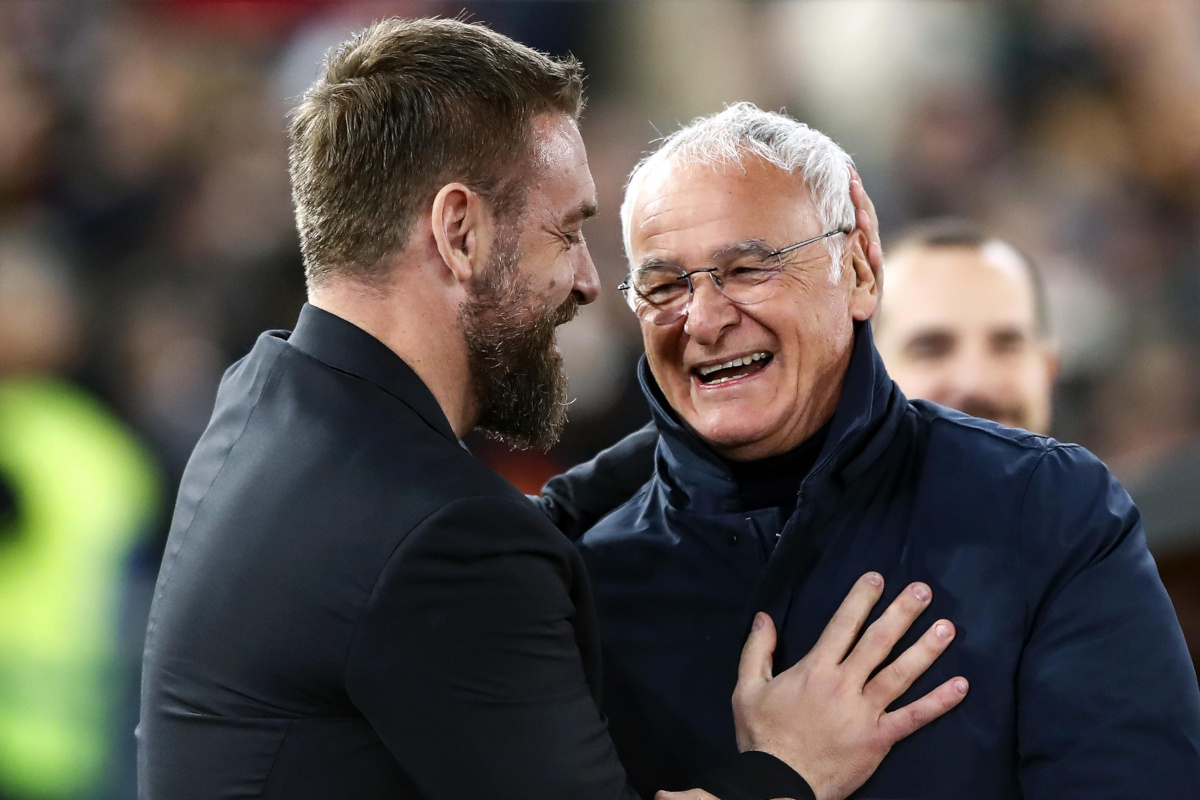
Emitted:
pixel 146 238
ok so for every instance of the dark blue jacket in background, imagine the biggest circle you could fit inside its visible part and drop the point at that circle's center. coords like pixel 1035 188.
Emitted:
pixel 1081 686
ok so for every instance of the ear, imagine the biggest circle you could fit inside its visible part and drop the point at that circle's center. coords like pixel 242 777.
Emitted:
pixel 864 292
pixel 463 228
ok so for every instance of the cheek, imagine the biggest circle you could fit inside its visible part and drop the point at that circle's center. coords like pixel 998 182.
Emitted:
pixel 822 334
pixel 1035 377
pixel 558 280
pixel 931 379
pixel 662 346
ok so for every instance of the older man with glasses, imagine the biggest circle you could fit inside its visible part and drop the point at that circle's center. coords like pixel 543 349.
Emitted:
pixel 788 462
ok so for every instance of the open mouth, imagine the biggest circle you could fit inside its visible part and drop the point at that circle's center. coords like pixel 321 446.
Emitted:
pixel 741 367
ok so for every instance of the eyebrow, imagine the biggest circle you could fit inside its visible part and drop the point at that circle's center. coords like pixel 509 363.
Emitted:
pixel 585 210
pixel 929 337
pixel 749 247
pixel 726 254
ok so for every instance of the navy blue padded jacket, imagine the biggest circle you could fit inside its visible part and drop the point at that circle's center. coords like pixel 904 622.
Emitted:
pixel 1081 685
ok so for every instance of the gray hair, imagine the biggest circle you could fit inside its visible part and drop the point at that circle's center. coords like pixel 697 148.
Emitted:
pixel 744 131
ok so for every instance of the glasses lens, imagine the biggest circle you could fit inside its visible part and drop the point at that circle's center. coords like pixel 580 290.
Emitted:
pixel 657 294
pixel 660 295
pixel 660 287
pixel 750 281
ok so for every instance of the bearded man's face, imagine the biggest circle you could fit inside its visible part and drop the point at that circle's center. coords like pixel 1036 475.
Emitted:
pixel 516 368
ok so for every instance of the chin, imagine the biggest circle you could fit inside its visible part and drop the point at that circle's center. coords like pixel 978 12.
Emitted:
pixel 728 435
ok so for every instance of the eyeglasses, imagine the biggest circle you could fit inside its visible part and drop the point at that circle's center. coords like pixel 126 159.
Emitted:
pixel 748 274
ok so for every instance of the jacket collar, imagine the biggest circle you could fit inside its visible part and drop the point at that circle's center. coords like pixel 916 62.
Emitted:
pixel 347 348
pixel 864 423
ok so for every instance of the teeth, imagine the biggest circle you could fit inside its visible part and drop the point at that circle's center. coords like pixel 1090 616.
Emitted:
pixel 737 362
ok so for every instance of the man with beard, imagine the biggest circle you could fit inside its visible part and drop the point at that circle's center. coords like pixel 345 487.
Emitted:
pixel 351 605
pixel 966 325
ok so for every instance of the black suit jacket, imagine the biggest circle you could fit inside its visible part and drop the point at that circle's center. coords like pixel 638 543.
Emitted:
pixel 352 606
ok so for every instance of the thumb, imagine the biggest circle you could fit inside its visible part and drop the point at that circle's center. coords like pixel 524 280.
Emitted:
pixel 755 666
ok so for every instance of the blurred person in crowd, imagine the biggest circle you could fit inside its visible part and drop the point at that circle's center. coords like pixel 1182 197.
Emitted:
pixel 27 117
pixel 788 461
pixel 78 493
pixel 352 605
pixel 966 325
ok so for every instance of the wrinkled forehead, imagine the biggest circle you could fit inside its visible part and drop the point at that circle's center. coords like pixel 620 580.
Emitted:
pixel 698 203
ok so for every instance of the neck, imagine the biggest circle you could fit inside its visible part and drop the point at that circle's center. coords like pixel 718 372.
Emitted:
pixel 417 321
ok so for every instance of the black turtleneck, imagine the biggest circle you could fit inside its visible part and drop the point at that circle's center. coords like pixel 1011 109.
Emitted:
pixel 774 481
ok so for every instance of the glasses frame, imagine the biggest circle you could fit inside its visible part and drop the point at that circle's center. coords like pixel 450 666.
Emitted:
pixel 627 285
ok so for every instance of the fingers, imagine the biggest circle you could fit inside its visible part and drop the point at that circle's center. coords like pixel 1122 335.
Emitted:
pixel 894 680
pixel 866 220
pixel 864 208
pixel 900 723
pixel 883 634
pixel 755 666
pixel 690 794
pixel 841 631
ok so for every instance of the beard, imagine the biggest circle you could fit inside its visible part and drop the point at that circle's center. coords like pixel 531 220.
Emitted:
pixel 516 370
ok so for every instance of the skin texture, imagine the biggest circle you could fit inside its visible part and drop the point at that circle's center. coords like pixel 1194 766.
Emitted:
pixel 685 215
pixel 960 328
pixel 554 258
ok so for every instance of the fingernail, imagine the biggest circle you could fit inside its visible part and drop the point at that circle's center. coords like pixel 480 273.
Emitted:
pixel 960 686
pixel 943 630
pixel 760 619
pixel 920 591
pixel 874 578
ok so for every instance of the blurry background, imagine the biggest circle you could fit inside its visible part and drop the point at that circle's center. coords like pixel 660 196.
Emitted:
pixel 146 238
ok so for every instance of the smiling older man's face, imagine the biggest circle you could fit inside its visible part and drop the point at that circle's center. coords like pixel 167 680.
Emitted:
pixel 797 342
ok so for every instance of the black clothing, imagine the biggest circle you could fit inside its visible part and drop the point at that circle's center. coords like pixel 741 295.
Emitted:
pixel 598 487
pixel 352 606
pixel 775 481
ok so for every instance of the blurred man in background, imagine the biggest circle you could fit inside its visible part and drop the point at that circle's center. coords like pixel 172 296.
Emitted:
pixel 966 325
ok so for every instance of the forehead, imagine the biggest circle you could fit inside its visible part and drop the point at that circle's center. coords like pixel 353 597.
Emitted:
pixel 687 210
pixel 958 287
pixel 561 179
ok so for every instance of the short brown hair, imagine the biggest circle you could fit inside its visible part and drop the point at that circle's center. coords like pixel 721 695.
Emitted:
pixel 405 107
pixel 943 232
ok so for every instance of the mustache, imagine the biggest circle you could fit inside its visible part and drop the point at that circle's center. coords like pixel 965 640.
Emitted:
pixel 565 312
pixel 1004 413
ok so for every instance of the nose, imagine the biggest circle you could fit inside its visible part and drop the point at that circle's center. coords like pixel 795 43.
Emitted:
pixel 709 312
pixel 974 374
pixel 587 281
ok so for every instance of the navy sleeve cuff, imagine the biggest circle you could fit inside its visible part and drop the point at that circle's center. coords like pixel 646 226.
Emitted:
pixel 755 775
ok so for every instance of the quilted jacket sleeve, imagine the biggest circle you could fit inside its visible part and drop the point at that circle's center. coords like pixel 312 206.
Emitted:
pixel 1108 705
pixel 583 495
